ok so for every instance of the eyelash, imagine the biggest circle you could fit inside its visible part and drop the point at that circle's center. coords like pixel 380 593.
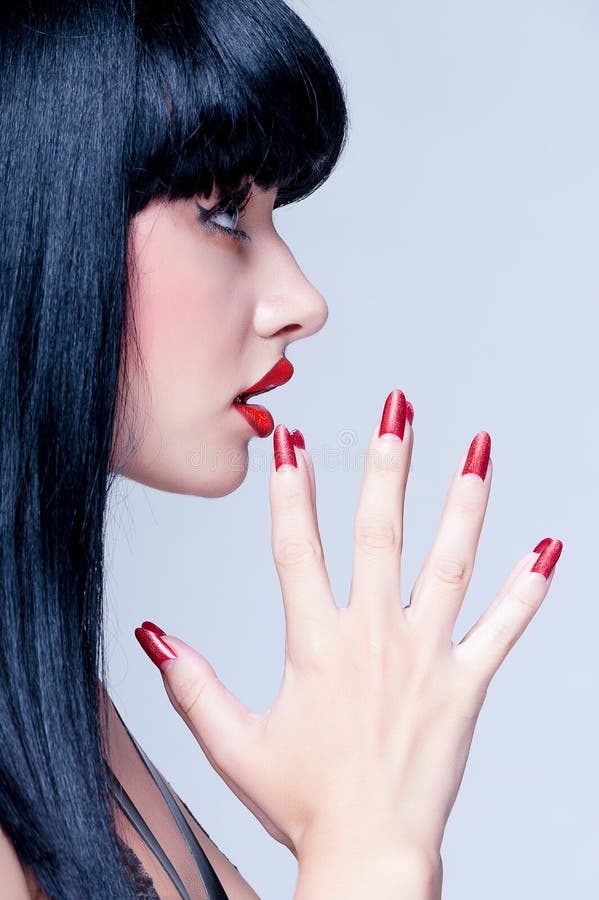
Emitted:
pixel 239 205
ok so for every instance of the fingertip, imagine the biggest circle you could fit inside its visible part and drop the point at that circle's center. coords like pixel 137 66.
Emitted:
pixel 478 456
pixel 297 438
pixel 284 449
pixel 548 558
pixel 157 649
pixel 150 626
pixel 466 474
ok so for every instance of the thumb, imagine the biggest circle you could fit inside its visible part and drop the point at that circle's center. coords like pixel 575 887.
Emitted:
pixel 226 730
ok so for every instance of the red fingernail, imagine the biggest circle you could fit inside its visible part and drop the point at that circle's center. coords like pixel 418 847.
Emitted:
pixel 297 439
pixel 479 453
pixel 410 412
pixel 149 626
pixel 157 650
pixel 541 545
pixel 547 561
pixel 284 449
pixel 393 420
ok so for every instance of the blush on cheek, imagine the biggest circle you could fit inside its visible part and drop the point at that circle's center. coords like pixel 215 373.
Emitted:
pixel 185 307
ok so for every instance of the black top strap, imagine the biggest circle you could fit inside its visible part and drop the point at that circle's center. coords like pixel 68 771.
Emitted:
pixel 212 886
pixel 141 826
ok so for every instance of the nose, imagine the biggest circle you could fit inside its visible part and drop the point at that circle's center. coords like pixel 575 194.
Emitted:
pixel 287 302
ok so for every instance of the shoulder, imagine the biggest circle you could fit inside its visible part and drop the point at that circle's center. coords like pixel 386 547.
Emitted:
pixel 16 884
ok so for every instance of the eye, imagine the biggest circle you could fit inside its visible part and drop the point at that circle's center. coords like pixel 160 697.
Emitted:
pixel 225 216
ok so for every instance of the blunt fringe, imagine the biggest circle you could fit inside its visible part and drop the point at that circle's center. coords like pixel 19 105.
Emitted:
pixel 104 106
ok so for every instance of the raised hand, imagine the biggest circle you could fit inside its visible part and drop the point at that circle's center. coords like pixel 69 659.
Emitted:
pixel 363 751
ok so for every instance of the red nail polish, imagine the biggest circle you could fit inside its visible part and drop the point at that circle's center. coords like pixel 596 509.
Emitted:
pixel 547 561
pixel 284 449
pixel 479 453
pixel 541 545
pixel 156 649
pixel 149 626
pixel 393 420
pixel 409 412
pixel 297 439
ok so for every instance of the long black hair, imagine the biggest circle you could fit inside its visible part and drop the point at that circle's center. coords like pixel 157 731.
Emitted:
pixel 104 106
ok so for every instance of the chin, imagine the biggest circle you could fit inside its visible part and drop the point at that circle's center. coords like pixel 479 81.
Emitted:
pixel 200 477
pixel 222 482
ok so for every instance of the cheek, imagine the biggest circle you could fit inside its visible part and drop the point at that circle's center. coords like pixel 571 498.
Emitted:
pixel 189 318
pixel 179 312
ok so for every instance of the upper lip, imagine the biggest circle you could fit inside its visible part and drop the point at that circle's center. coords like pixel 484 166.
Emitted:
pixel 278 375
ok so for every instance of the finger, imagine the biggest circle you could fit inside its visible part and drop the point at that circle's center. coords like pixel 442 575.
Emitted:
pixel 524 563
pixel 445 576
pixel 228 732
pixel 297 551
pixel 378 524
pixel 505 621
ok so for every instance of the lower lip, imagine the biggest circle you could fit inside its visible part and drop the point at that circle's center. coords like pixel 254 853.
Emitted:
pixel 259 418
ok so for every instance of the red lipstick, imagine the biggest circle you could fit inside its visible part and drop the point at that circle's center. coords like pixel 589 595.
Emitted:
pixel 259 418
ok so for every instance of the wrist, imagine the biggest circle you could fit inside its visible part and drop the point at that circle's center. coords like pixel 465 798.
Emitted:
pixel 354 872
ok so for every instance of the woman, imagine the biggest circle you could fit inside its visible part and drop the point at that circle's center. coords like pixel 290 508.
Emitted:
pixel 145 297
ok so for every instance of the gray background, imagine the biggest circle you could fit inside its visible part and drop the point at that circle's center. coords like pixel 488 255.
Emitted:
pixel 456 245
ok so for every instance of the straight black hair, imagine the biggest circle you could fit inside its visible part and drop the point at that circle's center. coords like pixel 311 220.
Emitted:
pixel 104 106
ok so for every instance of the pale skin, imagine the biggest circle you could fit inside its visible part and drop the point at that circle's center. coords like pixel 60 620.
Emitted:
pixel 357 764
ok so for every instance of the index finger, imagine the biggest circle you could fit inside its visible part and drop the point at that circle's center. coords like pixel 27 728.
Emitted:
pixel 297 550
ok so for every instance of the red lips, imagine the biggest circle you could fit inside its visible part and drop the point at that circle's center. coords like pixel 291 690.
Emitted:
pixel 259 418
pixel 280 373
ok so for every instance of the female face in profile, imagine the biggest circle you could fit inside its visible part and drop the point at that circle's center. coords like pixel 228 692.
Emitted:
pixel 217 299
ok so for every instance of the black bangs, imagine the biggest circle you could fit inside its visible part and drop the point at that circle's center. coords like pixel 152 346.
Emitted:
pixel 229 90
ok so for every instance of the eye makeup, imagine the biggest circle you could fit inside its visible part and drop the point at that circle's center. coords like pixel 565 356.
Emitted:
pixel 234 206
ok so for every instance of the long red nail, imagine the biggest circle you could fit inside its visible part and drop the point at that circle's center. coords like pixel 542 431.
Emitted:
pixel 393 420
pixel 297 439
pixel 479 453
pixel 149 626
pixel 284 449
pixel 157 650
pixel 547 561
pixel 410 412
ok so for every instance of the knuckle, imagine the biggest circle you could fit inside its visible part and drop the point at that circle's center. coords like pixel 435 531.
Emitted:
pixel 290 499
pixel 523 600
pixel 376 534
pixel 450 571
pixel 289 553
pixel 188 695
pixel 467 506
pixel 389 461
pixel 502 635
pixel 311 654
